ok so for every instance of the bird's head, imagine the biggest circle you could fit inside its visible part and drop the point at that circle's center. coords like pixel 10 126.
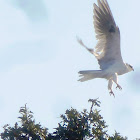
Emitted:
pixel 129 67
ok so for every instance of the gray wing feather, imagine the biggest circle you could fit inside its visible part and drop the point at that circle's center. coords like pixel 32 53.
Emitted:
pixel 107 49
pixel 89 49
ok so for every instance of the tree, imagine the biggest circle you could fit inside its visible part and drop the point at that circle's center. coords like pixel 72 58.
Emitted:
pixel 75 125
pixel 84 125
pixel 27 129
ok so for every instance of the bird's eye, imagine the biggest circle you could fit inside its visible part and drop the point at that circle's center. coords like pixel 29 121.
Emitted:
pixel 130 66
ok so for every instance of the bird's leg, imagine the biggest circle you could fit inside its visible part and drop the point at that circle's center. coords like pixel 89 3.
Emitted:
pixel 118 86
pixel 110 83
pixel 115 79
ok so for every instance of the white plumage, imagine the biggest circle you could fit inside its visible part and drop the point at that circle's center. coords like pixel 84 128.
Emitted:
pixel 107 50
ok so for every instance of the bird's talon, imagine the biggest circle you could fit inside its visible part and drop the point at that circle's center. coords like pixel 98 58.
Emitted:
pixel 118 86
pixel 111 93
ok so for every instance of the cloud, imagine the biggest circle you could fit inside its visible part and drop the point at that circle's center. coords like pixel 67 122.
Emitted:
pixel 135 80
pixel 35 10
pixel 24 53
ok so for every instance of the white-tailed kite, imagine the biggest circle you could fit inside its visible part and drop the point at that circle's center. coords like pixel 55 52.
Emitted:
pixel 107 50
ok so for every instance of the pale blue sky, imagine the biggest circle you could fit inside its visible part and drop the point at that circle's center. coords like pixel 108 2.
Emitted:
pixel 40 58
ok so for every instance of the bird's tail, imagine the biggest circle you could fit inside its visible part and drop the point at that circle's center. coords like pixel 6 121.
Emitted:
pixel 90 74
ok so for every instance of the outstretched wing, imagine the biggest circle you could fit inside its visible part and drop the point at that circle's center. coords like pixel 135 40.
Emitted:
pixel 107 50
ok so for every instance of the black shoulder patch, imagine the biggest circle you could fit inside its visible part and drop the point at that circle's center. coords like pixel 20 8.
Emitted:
pixel 112 29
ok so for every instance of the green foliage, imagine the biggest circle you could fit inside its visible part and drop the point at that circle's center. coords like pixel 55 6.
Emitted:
pixel 28 129
pixel 117 136
pixel 85 125
pixel 78 125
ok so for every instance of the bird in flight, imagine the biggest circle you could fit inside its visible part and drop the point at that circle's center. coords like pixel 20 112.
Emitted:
pixel 107 50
